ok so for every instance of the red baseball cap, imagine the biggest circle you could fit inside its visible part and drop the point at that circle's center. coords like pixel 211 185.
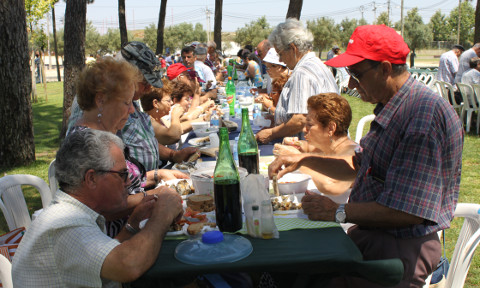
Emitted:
pixel 373 42
pixel 176 69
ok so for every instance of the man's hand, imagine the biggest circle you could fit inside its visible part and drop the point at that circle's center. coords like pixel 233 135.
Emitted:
pixel 290 163
pixel 264 136
pixel 142 211
pixel 318 207
pixel 182 155
pixel 166 174
pixel 169 203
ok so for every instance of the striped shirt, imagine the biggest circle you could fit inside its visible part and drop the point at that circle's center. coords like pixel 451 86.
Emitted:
pixel 447 67
pixel 309 77
pixel 411 159
pixel 138 135
pixel 64 247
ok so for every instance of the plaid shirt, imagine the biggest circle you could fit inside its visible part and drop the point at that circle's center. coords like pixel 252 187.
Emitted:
pixel 65 246
pixel 138 135
pixel 411 159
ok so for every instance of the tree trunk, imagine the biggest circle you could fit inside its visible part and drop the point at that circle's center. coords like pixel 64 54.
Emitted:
pixel 217 26
pixel 476 37
pixel 75 26
pixel 122 23
pixel 161 27
pixel 295 9
pixel 16 140
pixel 55 42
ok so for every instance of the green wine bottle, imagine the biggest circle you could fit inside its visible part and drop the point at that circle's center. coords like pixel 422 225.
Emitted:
pixel 247 146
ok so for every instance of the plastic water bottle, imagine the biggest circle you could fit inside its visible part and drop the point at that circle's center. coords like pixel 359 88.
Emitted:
pixel 256 112
pixel 214 120
pixel 235 151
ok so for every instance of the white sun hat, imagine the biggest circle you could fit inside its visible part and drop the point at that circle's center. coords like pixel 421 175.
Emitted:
pixel 272 57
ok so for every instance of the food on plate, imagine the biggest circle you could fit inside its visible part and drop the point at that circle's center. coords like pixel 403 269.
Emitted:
pixel 201 141
pixel 195 155
pixel 195 228
pixel 183 187
pixel 176 227
pixel 201 203
pixel 284 203
pixel 192 216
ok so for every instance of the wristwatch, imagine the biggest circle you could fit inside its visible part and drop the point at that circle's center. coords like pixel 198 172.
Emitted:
pixel 340 215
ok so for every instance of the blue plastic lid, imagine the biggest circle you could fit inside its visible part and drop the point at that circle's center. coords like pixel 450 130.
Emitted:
pixel 212 237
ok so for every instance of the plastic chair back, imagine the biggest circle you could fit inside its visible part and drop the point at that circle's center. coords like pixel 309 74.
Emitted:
pixel 361 124
pixel 476 90
pixel 52 181
pixel 467 242
pixel 12 201
pixel 469 103
pixel 6 272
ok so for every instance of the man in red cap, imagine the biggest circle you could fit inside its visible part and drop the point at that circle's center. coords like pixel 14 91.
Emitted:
pixel 407 168
pixel 179 72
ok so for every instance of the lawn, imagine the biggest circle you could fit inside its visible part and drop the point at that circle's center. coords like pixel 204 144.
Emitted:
pixel 47 120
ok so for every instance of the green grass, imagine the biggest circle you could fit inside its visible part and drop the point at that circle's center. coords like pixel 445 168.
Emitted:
pixel 47 118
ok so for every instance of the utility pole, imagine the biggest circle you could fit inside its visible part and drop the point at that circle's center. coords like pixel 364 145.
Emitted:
pixel 362 9
pixel 208 13
pixel 401 16
pixel 459 18
pixel 48 42
pixel 388 11
pixel 374 13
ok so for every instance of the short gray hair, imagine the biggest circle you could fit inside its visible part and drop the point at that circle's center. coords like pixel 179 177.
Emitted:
pixel 212 44
pixel 83 150
pixel 291 31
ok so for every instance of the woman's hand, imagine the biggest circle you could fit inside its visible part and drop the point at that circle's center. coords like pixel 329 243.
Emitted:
pixel 177 112
pixel 279 149
pixel 183 155
pixel 289 163
pixel 166 174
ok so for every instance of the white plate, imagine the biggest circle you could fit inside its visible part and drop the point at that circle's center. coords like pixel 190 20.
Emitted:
pixel 142 223
pixel 195 142
pixel 205 131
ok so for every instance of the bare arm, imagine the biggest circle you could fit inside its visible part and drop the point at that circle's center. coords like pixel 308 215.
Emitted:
pixel 370 214
pixel 134 256
pixel 291 127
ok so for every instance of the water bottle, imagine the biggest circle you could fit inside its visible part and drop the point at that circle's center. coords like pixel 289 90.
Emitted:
pixel 235 151
pixel 214 120
pixel 256 112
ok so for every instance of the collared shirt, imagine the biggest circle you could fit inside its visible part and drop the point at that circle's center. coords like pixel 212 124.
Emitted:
pixel 138 135
pixel 472 76
pixel 447 67
pixel 205 73
pixel 309 77
pixel 64 247
pixel 464 63
pixel 411 159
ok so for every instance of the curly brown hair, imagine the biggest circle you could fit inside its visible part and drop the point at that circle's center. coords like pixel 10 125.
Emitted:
pixel 331 107
pixel 108 77
pixel 179 89
pixel 156 94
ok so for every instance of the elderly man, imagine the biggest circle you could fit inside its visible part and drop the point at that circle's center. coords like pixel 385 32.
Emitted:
pixel 203 69
pixel 448 65
pixel 333 52
pixel 465 59
pixel 66 246
pixel 407 170
pixel 262 49
pixel 293 43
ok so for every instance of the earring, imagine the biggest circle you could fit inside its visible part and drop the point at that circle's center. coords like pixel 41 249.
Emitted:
pixel 331 139
pixel 99 115
pixel 157 111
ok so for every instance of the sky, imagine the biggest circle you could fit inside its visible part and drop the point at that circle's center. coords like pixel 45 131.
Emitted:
pixel 237 13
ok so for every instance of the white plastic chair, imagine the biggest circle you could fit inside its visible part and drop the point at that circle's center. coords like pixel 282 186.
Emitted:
pixel 469 104
pixel 361 124
pixel 6 272
pixel 12 201
pixel 476 90
pixel 52 181
pixel 451 97
pixel 467 242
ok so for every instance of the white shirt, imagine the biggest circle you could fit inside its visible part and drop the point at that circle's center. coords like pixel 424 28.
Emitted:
pixel 205 73
pixel 309 77
pixel 447 67
pixel 65 246
pixel 464 63
pixel 472 76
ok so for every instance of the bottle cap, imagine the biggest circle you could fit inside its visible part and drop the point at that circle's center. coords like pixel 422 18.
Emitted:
pixel 212 237
pixel 254 207
pixel 229 77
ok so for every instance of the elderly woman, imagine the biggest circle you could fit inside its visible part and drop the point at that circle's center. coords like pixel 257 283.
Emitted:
pixel 310 76
pixel 105 91
pixel 326 132
pixel 279 74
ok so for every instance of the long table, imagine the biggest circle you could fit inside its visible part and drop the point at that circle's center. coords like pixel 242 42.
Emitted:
pixel 312 254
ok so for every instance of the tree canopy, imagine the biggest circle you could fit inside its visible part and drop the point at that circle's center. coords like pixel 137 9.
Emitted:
pixel 254 32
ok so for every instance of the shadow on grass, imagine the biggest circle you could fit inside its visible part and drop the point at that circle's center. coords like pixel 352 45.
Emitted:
pixel 47 122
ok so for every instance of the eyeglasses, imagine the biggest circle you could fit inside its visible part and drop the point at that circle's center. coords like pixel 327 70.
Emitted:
pixel 124 174
pixel 167 100
pixel 358 75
